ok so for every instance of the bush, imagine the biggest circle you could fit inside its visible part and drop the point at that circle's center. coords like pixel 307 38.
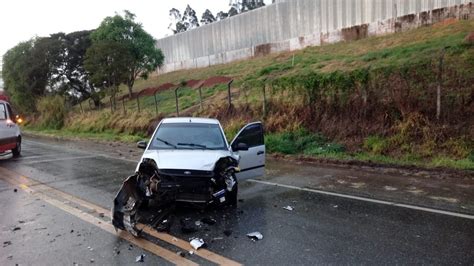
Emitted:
pixel 52 112
pixel 376 145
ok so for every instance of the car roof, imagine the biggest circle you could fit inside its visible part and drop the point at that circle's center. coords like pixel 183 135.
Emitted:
pixel 2 101
pixel 199 120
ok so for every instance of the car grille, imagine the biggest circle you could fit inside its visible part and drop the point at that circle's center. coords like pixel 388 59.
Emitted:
pixel 186 173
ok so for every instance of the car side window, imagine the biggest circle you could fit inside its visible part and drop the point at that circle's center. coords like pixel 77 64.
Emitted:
pixel 252 135
pixel 10 112
pixel 3 113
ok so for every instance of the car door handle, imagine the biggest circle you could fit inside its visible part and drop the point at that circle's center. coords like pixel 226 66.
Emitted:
pixel 260 152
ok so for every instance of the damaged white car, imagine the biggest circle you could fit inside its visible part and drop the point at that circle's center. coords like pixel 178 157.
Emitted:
pixel 190 160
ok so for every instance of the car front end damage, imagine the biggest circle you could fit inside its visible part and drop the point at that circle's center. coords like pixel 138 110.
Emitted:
pixel 167 186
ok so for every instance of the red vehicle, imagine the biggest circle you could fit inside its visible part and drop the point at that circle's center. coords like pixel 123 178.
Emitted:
pixel 10 135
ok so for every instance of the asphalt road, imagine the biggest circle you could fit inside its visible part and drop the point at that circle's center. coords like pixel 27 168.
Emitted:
pixel 59 216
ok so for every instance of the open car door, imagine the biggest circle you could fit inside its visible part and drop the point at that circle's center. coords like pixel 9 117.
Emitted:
pixel 250 145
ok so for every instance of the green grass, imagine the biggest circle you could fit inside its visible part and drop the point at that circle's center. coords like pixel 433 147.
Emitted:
pixel 392 50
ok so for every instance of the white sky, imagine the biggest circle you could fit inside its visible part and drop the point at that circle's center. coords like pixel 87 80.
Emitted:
pixel 21 20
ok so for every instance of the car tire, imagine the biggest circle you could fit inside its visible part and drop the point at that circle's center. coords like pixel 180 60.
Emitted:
pixel 17 150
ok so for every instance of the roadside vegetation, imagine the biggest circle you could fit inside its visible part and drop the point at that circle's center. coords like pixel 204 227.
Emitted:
pixel 372 100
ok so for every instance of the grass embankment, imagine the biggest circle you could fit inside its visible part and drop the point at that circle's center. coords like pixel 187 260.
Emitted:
pixel 370 100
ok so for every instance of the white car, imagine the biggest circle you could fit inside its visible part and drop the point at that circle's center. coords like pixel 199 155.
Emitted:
pixel 10 135
pixel 189 160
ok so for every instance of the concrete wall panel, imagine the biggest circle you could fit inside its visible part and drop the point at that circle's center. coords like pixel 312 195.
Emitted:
pixel 290 25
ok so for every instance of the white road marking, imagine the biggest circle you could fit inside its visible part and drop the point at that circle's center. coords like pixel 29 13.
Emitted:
pixel 59 159
pixel 402 205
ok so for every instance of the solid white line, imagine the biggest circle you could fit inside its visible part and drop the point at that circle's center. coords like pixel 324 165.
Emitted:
pixel 60 159
pixel 82 152
pixel 402 205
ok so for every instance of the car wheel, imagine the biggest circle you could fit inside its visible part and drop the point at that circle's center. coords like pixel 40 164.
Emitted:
pixel 17 150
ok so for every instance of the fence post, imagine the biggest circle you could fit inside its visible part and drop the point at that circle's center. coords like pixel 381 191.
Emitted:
pixel 177 103
pixel 440 84
pixel 123 105
pixel 156 103
pixel 264 100
pixel 90 105
pixel 138 102
pixel 111 105
pixel 228 93
pixel 80 105
pixel 200 97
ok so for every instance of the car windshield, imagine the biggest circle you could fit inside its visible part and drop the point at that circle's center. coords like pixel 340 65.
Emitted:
pixel 188 136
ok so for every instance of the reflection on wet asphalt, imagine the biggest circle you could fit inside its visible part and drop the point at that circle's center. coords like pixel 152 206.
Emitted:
pixel 320 229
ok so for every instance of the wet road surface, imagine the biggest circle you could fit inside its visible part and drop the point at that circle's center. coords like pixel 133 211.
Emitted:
pixel 59 215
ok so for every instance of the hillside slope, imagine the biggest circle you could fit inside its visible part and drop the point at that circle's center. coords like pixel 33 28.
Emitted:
pixel 374 98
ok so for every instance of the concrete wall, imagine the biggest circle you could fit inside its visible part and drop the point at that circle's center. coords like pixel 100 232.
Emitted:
pixel 295 24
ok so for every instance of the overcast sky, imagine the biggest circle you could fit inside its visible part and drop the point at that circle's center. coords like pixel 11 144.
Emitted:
pixel 21 20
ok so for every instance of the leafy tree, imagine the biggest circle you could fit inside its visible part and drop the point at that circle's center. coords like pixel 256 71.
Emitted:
pixel 207 17
pixel 26 72
pixel 176 25
pixel 68 73
pixel 233 11
pixel 143 57
pixel 221 15
pixel 107 62
pixel 190 19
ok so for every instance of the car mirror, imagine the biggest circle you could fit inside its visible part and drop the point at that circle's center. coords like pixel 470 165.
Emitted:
pixel 241 147
pixel 142 144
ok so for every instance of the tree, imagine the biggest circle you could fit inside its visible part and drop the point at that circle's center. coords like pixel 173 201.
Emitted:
pixel 107 62
pixel 144 56
pixel 207 17
pixel 68 73
pixel 221 15
pixel 190 19
pixel 176 25
pixel 26 72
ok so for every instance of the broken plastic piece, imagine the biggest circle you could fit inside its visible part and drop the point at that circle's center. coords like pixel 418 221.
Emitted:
pixel 255 236
pixel 140 258
pixel 196 243
pixel 289 208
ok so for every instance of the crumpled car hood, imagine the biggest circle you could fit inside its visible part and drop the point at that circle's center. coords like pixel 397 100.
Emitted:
pixel 203 160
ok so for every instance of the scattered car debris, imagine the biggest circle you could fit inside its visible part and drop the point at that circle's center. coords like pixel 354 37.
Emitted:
pixel 289 208
pixel 198 223
pixel 191 252
pixel 7 243
pixel 227 232
pixel 72 231
pixel 92 260
pixel 16 228
pixel 335 206
pixel 182 254
pixel 208 221
pixel 101 215
pixel 15 190
pixel 218 238
pixel 197 243
pixel 255 236
pixel 21 221
pixel 140 258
